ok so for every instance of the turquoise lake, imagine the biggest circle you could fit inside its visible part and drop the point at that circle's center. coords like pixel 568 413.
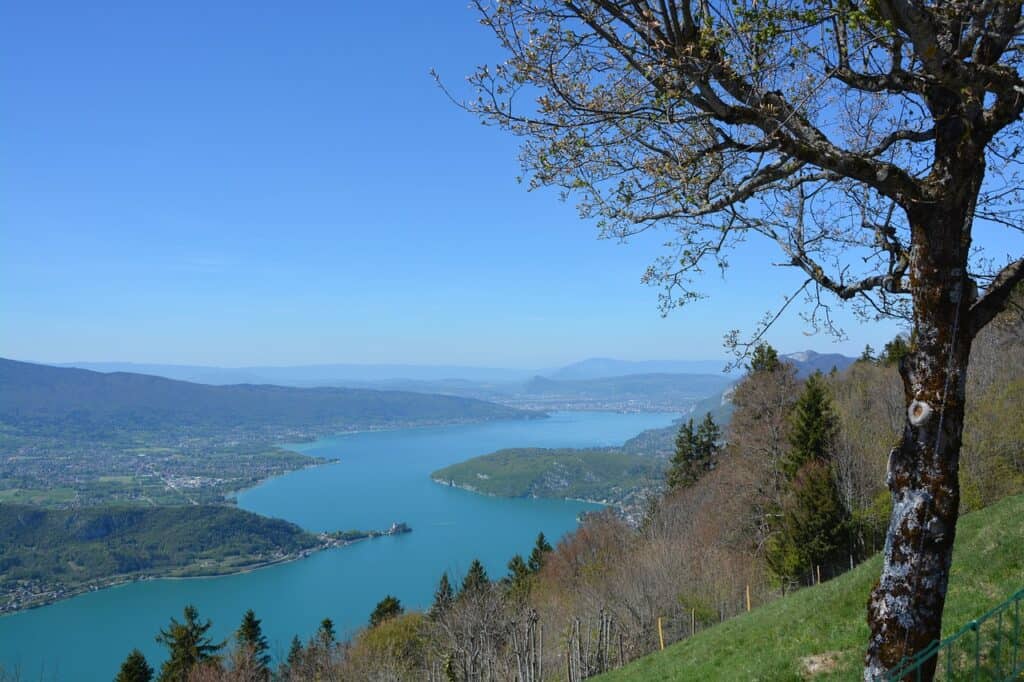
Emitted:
pixel 382 477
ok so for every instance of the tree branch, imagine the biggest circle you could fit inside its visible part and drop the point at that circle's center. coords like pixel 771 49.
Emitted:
pixel 997 295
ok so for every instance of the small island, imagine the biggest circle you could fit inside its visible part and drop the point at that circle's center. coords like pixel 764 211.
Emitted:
pixel 346 537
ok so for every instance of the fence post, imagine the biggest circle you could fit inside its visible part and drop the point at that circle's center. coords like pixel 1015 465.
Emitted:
pixel 748 597
pixel 661 635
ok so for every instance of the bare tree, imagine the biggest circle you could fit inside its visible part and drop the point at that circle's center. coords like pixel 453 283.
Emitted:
pixel 866 139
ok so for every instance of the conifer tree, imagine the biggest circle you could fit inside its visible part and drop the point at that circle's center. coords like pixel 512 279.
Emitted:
pixel 187 644
pixel 517 568
pixel 679 472
pixel 319 655
pixel 764 359
pixel 476 579
pixel 812 427
pixel 517 582
pixel 868 355
pixel 325 635
pixel 894 351
pixel 816 522
pixel 696 452
pixel 292 664
pixel 444 597
pixel 708 436
pixel 541 549
pixel 387 608
pixel 250 635
pixel 812 527
pixel 135 669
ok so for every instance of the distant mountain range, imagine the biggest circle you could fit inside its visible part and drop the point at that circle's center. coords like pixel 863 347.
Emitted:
pixel 424 377
pixel 636 387
pixel 309 375
pixel 595 383
pixel 601 368
pixel 56 397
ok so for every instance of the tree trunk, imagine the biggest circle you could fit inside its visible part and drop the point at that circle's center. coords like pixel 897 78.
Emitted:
pixel 905 608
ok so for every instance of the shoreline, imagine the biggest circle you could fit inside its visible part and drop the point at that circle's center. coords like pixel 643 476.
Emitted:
pixel 123 579
pixel 470 489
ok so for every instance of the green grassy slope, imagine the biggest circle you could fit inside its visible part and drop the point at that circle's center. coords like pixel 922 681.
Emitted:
pixel 771 642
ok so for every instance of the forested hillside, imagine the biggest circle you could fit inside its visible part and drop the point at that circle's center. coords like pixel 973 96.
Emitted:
pixel 46 554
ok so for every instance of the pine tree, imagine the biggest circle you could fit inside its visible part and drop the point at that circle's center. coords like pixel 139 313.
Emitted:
pixel 539 555
pixel 868 355
pixel 696 453
pixel 325 635
pixel 135 669
pixel 319 656
pixel 187 646
pixel 708 436
pixel 812 526
pixel 518 581
pixel 250 635
pixel 815 518
pixel 679 473
pixel 295 651
pixel 444 597
pixel 292 665
pixel 894 351
pixel 764 359
pixel 387 608
pixel 476 579
pixel 812 427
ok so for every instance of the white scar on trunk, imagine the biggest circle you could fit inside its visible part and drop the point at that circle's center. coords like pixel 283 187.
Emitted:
pixel 919 412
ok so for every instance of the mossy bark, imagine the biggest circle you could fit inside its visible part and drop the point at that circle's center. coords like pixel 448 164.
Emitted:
pixel 905 608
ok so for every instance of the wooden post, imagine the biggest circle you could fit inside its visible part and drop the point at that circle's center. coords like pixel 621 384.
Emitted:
pixel 748 597
pixel 819 574
pixel 661 635
pixel 693 622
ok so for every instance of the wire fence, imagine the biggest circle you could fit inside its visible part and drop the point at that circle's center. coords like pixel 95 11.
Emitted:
pixel 990 647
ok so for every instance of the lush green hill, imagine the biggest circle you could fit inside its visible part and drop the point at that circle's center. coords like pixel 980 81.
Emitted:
pixel 49 553
pixel 774 641
pixel 593 474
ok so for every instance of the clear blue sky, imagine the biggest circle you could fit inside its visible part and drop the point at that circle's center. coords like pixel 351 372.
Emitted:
pixel 238 184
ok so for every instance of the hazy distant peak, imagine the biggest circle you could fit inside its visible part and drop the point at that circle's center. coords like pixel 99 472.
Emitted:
pixel 808 362
pixel 603 368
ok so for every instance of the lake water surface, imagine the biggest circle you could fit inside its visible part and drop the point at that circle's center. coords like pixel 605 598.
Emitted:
pixel 382 477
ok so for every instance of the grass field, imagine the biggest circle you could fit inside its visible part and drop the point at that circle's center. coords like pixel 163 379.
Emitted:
pixel 51 496
pixel 774 642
